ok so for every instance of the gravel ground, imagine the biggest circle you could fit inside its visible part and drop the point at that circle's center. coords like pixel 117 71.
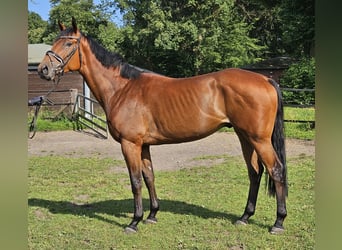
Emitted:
pixel 164 157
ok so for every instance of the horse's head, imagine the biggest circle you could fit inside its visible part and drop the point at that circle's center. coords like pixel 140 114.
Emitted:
pixel 64 55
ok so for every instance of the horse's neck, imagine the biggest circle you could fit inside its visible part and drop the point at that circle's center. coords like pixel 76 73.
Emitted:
pixel 103 82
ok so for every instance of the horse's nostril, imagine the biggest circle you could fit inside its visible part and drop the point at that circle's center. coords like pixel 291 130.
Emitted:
pixel 45 70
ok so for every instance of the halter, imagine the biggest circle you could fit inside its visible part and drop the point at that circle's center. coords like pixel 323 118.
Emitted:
pixel 59 68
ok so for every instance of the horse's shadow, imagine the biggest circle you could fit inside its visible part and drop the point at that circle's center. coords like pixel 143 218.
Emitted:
pixel 120 208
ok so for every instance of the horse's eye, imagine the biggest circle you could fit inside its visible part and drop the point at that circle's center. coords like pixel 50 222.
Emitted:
pixel 68 44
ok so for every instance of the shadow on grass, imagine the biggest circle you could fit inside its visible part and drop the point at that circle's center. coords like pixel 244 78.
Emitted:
pixel 120 208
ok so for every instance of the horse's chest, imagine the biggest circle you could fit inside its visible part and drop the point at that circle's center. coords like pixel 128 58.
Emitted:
pixel 126 122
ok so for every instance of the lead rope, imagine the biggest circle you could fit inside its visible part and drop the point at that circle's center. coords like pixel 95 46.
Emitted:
pixel 37 102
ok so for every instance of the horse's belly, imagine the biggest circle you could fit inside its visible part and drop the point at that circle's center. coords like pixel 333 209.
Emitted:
pixel 184 130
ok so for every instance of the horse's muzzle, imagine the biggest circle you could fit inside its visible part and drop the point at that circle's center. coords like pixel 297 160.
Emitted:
pixel 43 71
pixel 49 72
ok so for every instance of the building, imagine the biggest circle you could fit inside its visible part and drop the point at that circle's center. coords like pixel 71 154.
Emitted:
pixel 272 68
pixel 61 95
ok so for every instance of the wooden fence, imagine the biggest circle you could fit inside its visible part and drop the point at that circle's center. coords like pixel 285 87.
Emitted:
pixel 296 105
pixel 38 86
pixel 62 96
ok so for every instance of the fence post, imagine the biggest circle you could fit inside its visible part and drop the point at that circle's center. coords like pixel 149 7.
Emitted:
pixel 73 98
pixel 86 93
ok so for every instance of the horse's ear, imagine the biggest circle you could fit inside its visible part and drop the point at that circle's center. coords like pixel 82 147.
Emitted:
pixel 74 25
pixel 61 26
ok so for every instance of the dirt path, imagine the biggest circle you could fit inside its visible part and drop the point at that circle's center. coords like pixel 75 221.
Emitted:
pixel 165 157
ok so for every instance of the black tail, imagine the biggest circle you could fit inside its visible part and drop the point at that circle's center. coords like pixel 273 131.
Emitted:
pixel 278 141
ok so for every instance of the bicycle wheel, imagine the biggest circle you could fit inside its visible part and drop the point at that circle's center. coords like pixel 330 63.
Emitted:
pixel 32 129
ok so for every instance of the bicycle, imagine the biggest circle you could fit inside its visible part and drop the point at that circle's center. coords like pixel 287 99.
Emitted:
pixel 37 102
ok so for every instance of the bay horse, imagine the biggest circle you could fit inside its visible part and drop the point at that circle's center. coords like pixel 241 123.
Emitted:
pixel 145 108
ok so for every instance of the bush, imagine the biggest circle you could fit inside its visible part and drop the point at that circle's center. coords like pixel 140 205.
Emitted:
pixel 300 75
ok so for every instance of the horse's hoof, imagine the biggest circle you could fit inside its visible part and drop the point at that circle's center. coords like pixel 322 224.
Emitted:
pixel 130 230
pixel 150 221
pixel 240 222
pixel 277 230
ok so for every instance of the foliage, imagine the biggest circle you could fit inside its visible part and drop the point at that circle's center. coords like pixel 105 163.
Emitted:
pixel 300 75
pixel 183 38
pixel 109 37
pixel 264 18
pixel 90 20
pixel 84 203
pixel 286 27
pixel 36 28
pixel 298 27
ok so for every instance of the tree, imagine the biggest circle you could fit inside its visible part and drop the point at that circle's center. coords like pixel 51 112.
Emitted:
pixel 182 38
pixel 36 28
pixel 90 20
pixel 300 75
pixel 286 27
pixel 189 37
pixel 298 27
pixel 263 16
pixel 110 36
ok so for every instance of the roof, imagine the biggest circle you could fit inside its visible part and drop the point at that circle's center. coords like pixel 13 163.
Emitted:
pixel 36 52
pixel 272 63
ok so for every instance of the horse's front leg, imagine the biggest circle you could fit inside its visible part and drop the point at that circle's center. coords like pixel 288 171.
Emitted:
pixel 132 154
pixel 149 181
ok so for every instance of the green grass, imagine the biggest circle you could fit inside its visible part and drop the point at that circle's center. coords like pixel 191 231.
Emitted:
pixel 48 121
pixel 305 114
pixel 85 203
pixel 299 130
pixel 295 130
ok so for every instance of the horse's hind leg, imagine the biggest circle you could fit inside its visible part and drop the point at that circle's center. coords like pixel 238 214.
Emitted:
pixel 149 181
pixel 274 168
pixel 255 171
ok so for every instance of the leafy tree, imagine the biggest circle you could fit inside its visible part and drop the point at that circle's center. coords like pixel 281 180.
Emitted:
pixel 300 75
pixel 90 20
pixel 110 36
pixel 263 16
pixel 36 28
pixel 286 27
pixel 298 27
pixel 187 37
pixel 183 38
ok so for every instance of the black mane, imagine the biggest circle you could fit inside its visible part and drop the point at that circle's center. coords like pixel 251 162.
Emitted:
pixel 110 59
pixel 107 58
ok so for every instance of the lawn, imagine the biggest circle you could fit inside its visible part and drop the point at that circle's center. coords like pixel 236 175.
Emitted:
pixel 81 203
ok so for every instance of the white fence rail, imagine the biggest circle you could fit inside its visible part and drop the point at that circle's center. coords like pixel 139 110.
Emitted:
pixel 87 117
